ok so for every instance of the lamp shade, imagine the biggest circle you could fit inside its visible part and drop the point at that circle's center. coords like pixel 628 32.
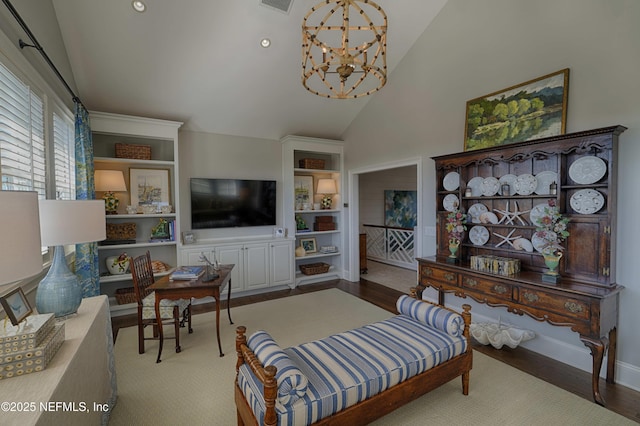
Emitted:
pixel 110 180
pixel 21 251
pixel 69 222
pixel 326 186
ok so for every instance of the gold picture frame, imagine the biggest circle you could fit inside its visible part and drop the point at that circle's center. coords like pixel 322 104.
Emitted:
pixel 309 244
pixel 150 187
pixel 531 110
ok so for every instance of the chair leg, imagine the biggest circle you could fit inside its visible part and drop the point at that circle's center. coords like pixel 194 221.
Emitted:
pixel 189 313
pixel 140 334
pixel 176 323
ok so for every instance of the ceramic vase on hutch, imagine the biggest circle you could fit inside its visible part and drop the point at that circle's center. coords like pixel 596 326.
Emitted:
pixel 454 245
pixel 552 260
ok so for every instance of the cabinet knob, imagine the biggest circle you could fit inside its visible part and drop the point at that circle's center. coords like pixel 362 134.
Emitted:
pixel 530 297
pixel 573 307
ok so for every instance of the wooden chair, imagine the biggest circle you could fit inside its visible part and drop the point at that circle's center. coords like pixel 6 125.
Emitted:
pixel 142 273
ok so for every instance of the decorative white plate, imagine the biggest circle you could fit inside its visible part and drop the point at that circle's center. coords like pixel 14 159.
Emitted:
pixel 587 201
pixel 545 179
pixel 525 184
pixel 523 244
pixel 490 186
pixel 587 170
pixel 476 186
pixel 538 242
pixel 509 180
pixel 488 217
pixel 475 211
pixel 451 181
pixel 537 212
pixel 479 235
pixel 450 203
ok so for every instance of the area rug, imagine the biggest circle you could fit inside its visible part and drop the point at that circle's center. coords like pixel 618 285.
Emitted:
pixel 400 279
pixel 196 385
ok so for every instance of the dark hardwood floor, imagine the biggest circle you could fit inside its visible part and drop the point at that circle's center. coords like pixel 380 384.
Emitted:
pixel 620 399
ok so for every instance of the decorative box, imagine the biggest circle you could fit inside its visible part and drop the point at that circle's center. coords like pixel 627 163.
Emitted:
pixel 121 231
pixel 32 360
pixel 312 163
pixel 495 265
pixel 324 226
pixel 324 218
pixel 25 336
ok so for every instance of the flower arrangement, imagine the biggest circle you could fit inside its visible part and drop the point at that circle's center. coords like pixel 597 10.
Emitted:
pixel 552 228
pixel 456 224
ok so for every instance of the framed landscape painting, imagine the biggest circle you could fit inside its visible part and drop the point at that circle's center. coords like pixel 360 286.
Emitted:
pixel 531 110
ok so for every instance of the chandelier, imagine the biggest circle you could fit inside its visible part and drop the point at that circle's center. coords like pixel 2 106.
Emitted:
pixel 344 49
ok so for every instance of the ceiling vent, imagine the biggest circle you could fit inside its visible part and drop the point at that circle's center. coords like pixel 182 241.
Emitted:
pixel 280 5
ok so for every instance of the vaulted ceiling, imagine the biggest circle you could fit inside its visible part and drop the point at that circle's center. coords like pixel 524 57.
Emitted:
pixel 200 62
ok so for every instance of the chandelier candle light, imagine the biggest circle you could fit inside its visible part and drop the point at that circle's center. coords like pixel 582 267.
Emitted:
pixel 62 223
pixel 110 181
pixel 344 48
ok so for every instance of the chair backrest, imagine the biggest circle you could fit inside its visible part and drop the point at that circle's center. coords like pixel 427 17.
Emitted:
pixel 142 273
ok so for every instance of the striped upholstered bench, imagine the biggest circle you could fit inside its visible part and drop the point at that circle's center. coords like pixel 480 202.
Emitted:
pixel 356 376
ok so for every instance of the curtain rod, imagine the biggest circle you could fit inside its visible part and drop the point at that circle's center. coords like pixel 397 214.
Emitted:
pixel 38 47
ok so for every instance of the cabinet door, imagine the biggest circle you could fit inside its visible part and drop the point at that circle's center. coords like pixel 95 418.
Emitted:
pixel 256 266
pixel 192 257
pixel 281 263
pixel 232 254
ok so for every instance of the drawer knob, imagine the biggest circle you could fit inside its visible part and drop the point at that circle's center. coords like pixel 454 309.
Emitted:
pixel 573 307
pixel 531 297
pixel 450 277
pixel 470 282
pixel 427 272
pixel 500 289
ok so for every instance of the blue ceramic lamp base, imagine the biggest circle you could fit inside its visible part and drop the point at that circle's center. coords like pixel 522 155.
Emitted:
pixel 59 292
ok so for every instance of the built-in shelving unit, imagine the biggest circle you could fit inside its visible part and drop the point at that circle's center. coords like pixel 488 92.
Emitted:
pixel 295 150
pixel 162 137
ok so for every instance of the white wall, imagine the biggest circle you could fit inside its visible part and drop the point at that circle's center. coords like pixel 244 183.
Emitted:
pixel 474 48
pixel 207 155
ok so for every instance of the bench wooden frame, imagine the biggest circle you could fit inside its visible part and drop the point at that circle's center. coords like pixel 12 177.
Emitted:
pixel 368 410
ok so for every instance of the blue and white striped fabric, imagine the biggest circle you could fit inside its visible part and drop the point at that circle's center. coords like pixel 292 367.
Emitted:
pixel 433 315
pixel 350 367
pixel 292 384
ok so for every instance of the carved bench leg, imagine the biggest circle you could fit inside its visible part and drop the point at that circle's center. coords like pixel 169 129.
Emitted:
pixel 597 347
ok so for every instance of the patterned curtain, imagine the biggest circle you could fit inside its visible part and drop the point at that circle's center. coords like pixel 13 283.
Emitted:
pixel 87 266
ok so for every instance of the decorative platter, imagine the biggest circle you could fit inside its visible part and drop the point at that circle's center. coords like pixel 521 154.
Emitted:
pixel 525 184
pixel 450 203
pixel 587 201
pixel 509 180
pixel 538 241
pixel 587 170
pixel 451 181
pixel 490 186
pixel 479 235
pixel 475 211
pixel 488 217
pixel 537 212
pixel 545 179
pixel 476 186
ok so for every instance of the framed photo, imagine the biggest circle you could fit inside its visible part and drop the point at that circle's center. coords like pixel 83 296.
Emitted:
pixel 278 232
pixel 531 110
pixel 16 305
pixel 309 245
pixel 303 192
pixel 188 237
pixel 149 187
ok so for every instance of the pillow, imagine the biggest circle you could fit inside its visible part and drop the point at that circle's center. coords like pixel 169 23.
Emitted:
pixel 292 383
pixel 432 315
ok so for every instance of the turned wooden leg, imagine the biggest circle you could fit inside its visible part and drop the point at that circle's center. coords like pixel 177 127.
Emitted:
pixel 597 347
pixel 611 356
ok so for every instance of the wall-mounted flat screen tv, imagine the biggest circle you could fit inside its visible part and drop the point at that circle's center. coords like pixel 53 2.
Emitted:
pixel 230 203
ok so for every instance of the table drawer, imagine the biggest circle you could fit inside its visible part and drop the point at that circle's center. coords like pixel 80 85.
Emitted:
pixel 557 303
pixel 429 273
pixel 495 288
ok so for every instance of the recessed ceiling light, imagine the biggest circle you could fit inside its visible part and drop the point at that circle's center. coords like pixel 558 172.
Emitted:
pixel 139 6
pixel 265 42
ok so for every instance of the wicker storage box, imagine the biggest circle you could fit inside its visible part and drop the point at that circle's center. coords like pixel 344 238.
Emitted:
pixel 121 231
pixel 137 152
pixel 311 163
pixel 125 295
pixel 315 268
pixel 324 226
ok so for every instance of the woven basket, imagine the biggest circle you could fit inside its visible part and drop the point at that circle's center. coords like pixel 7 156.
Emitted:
pixel 137 152
pixel 125 295
pixel 311 163
pixel 315 268
pixel 121 231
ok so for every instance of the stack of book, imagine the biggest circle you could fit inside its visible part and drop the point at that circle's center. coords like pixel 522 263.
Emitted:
pixel 187 273
pixel 29 346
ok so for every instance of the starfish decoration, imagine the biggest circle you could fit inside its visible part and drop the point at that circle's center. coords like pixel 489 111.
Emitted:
pixel 507 239
pixel 509 217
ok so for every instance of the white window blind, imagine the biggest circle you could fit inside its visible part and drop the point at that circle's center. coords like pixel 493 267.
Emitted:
pixel 22 150
pixel 64 158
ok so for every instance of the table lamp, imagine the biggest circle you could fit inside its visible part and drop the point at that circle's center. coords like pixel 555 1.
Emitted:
pixel 61 223
pixel 110 181
pixel 21 251
pixel 328 188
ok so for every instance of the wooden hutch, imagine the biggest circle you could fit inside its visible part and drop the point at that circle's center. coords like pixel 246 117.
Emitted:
pixel 586 296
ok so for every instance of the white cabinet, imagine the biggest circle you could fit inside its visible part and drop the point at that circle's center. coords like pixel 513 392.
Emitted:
pixel 305 162
pixel 161 137
pixel 258 264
